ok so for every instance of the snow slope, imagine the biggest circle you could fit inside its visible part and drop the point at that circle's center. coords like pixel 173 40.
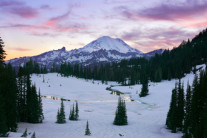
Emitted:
pixel 108 43
pixel 146 116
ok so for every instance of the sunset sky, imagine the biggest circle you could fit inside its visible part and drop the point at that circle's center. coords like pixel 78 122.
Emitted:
pixel 30 27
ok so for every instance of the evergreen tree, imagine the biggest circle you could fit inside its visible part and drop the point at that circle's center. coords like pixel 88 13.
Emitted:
pixel 34 112
pixel 195 106
pixel 187 119
pixel 33 135
pixel 205 121
pixel 9 93
pixel 2 52
pixel 41 115
pixel 72 113
pixel 25 133
pixel 199 101
pixel 21 95
pixel 58 116
pixel 120 115
pixel 76 111
pixel 172 116
pixel 87 131
pixel 180 106
pixel 33 115
pixel 3 125
pixel 61 114
pixel 144 91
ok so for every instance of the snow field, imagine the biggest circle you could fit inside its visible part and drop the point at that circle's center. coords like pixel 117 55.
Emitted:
pixel 146 116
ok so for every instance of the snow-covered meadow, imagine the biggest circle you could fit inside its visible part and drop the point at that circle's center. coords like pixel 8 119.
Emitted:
pixel 146 116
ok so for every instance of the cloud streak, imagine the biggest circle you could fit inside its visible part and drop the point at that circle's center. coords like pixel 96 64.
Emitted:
pixel 21 49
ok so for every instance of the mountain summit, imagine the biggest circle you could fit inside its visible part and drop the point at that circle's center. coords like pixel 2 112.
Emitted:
pixel 108 43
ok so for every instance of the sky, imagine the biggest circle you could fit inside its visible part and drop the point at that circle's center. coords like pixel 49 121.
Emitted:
pixel 31 27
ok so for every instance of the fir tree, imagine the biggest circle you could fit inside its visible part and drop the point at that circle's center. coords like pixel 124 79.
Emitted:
pixel 195 106
pixel 61 114
pixel 205 121
pixel 25 133
pixel 76 111
pixel 144 91
pixel 9 93
pixel 33 135
pixel 21 95
pixel 72 113
pixel 180 106
pixel 33 106
pixel 2 52
pixel 171 116
pixel 3 123
pixel 3 126
pixel 120 115
pixel 188 110
pixel 87 131
pixel 58 116
pixel 41 115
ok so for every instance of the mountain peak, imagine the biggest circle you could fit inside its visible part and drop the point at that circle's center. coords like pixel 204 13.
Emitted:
pixel 62 49
pixel 108 43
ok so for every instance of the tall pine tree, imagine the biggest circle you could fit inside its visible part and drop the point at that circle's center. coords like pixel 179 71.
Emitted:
pixel 61 114
pixel 121 115
pixel 180 106
pixel 144 90
pixel 188 109
pixel 87 131
pixel 40 110
pixel 172 116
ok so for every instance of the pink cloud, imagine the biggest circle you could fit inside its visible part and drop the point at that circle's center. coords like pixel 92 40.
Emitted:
pixel 149 39
pixel 55 20
pixel 21 49
pixel 55 24
pixel 194 24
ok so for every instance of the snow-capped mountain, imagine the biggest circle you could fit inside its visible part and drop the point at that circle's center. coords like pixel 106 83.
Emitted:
pixel 104 49
pixel 108 43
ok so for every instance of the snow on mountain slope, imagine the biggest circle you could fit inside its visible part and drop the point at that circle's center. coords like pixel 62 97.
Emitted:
pixel 109 43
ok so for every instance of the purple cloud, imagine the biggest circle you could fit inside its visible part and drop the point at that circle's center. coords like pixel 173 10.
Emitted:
pixel 23 26
pixel 18 8
pixel 153 38
pixel 174 12
pixel 166 11
pixel 45 7
pixel 6 3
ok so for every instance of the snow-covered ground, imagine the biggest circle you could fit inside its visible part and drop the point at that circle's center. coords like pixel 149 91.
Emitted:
pixel 146 116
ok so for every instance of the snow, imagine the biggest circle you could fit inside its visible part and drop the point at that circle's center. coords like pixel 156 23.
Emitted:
pixel 146 116
pixel 108 43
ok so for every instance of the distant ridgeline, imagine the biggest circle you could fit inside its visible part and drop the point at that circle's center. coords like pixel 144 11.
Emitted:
pixel 170 64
